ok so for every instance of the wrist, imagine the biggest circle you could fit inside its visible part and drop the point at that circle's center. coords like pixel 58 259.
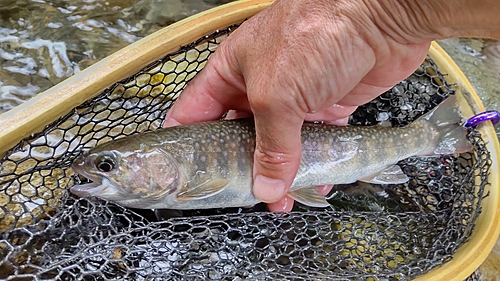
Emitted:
pixel 418 21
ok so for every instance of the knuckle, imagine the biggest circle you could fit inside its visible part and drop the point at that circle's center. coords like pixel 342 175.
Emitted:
pixel 274 159
pixel 262 102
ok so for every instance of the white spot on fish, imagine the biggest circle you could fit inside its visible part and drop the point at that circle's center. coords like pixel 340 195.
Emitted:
pixel 356 137
pixel 203 158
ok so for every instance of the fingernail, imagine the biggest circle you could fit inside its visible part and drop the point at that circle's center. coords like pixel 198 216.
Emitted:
pixel 338 122
pixel 285 204
pixel 267 189
pixel 170 122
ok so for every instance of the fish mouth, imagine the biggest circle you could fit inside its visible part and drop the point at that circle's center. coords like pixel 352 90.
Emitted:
pixel 103 189
pixel 98 187
pixel 89 189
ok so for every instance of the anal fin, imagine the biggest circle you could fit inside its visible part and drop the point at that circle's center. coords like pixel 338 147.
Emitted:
pixel 309 196
pixel 390 175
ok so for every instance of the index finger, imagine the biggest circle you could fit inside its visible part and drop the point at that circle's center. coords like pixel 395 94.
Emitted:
pixel 215 90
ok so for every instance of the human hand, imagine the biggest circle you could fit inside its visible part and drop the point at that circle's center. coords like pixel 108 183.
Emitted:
pixel 300 60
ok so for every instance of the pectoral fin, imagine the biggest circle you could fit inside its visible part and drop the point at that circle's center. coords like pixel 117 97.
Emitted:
pixel 390 175
pixel 309 196
pixel 203 190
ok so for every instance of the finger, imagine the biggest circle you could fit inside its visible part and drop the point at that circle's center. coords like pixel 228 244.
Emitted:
pixel 194 106
pixel 278 149
pixel 285 204
pixel 361 94
pixel 338 122
pixel 218 87
pixel 335 115
pixel 235 114
pixel 377 80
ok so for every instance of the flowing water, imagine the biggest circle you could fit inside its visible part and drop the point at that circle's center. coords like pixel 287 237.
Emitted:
pixel 45 42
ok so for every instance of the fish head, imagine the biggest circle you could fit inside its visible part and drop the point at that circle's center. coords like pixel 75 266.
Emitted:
pixel 136 179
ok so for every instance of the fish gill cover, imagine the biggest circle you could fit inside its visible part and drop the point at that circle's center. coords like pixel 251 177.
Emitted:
pixel 392 232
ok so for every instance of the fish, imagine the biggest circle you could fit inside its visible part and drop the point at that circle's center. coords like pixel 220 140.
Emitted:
pixel 209 164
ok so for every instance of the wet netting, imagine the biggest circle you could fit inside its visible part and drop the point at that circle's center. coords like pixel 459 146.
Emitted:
pixel 371 232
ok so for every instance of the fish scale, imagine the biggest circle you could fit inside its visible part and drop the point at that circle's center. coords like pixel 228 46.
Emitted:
pixel 371 146
pixel 209 165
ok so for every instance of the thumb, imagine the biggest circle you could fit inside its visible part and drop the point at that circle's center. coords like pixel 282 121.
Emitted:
pixel 278 151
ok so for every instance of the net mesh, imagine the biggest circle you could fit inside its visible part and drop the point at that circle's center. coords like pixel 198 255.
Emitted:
pixel 375 232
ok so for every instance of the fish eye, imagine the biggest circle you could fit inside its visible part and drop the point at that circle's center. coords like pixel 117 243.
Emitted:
pixel 104 163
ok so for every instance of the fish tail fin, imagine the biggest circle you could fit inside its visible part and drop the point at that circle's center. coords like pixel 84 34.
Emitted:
pixel 309 196
pixel 451 137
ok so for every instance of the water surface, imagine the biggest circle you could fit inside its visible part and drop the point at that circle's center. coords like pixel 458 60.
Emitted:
pixel 45 42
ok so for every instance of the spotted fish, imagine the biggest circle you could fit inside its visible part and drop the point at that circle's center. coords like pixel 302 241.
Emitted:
pixel 209 165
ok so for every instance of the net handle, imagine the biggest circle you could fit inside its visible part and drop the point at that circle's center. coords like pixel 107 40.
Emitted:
pixel 33 115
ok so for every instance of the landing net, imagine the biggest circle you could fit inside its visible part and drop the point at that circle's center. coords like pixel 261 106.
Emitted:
pixel 48 233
